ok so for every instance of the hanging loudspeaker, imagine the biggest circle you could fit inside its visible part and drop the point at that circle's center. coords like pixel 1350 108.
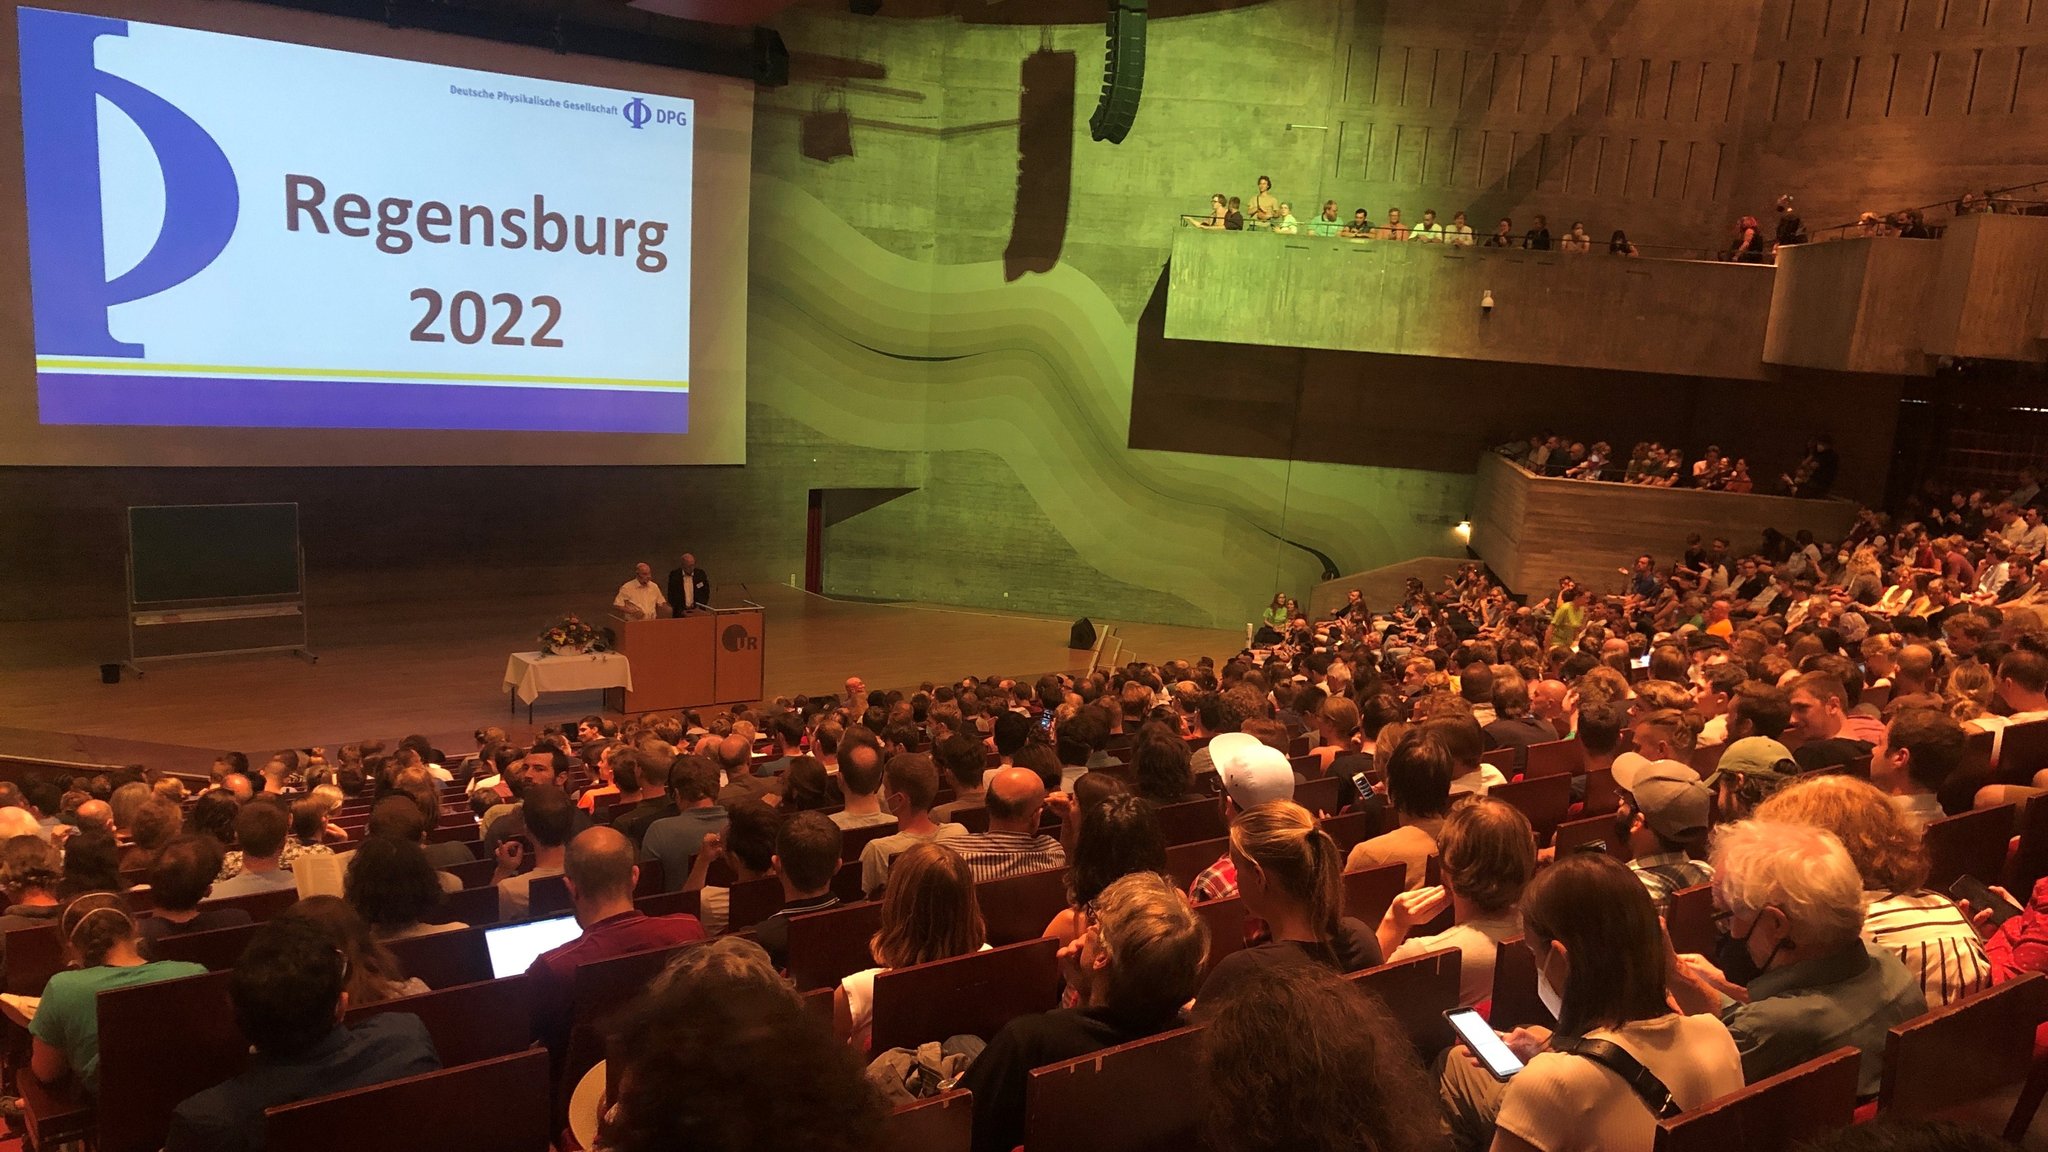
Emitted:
pixel 1123 72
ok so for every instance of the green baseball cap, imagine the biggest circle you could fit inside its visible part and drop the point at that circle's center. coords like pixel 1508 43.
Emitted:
pixel 1755 756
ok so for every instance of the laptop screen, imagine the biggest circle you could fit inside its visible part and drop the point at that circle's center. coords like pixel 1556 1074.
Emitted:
pixel 515 947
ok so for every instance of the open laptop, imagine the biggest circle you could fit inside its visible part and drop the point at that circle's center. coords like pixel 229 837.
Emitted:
pixel 514 947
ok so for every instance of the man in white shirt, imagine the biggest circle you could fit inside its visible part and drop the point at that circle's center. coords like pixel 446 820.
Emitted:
pixel 639 597
pixel 1459 233
pixel 2034 538
pixel 1429 231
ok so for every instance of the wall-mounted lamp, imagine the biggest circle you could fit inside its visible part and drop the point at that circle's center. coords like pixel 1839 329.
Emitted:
pixel 1464 531
pixel 1486 303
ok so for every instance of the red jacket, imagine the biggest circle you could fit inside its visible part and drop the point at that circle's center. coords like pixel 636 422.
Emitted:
pixel 2021 943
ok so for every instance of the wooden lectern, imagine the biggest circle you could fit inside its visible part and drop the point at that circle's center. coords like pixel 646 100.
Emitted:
pixel 710 656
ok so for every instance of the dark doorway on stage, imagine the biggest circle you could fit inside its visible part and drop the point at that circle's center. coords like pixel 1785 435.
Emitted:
pixel 814 543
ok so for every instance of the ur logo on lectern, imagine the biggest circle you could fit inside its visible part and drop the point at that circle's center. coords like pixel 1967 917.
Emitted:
pixel 736 638
pixel 61 85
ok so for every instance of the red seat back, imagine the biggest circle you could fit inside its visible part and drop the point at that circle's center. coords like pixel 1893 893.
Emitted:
pixel 1572 834
pixel 547 896
pixel 942 1123
pixel 1192 820
pixel 1515 1002
pixel 1964 1050
pixel 469 1022
pixel 470 906
pixel 1130 1098
pixel 1772 1115
pixel 1352 827
pixel 1418 991
pixel 260 906
pixel 1554 758
pixel 33 956
pixel 217 950
pixel 673 903
pixel 977 993
pixel 1369 891
pixel 1545 800
pixel 826 947
pixel 1226 919
pixel 2030 862
pixel 160 1043
pixel 855 839
pixel 498 1105
pixel 1507 759
pixel 1690 919
pixel 749 902
pixel 2023 752
pixel 1603 795
pixel 1186 861
pixel 1017 908
pixel 1319 795
pixel 445 959
pixel 1971 844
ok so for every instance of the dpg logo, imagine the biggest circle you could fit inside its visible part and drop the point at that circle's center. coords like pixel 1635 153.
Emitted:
pixel 60 87
pixel 639 113
pixel 736 639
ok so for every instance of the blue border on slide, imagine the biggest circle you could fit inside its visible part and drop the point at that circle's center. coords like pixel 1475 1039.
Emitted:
pixel 233 402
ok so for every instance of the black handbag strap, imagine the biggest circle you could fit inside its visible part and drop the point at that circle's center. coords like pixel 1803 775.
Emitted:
pixel 1616 1059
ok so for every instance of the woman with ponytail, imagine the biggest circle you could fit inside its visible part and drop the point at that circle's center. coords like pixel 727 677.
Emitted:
pixel 104 948
pixel 1291 876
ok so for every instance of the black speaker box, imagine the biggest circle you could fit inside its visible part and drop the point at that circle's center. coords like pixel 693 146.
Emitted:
pixel 1123 72
pixel 1082 635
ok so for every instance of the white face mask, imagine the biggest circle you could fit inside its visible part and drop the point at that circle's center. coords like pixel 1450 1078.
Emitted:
pixel 1553 1001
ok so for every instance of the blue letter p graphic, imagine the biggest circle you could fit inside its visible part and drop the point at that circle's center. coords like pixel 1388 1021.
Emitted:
pixel 60 85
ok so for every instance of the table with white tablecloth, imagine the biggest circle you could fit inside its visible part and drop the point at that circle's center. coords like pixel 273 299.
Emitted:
pixel 528 674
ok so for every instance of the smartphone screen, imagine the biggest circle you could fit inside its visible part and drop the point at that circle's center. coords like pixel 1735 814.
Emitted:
pixel 1045 720
pixel 1484 1042
pixel 1980 896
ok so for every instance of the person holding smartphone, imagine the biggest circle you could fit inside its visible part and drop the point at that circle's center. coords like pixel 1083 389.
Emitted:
pixel 1600 969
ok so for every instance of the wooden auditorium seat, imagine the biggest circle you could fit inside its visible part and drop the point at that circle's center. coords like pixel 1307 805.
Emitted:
pixel 1192 820
pixel 942 1123
pixel 1186 861
pixel 1417 992
pixel 1969 844
pixel 217 949
pixel 1775 1114
pixel 1369 891
pixel 1131 1098
pixel 1514 1001
pixel 826 947
pixel 1967 1059
pixel 2029 861
pixel 160 1043
pixel 977 993
pixel 1320 794
pixel 1690 919
pixel 444 959
pixel 468 1022
pixel 471 906
pixel 496 1105
pixel 1603 795
pixel 1575 834
pixel 1554 758
pixel 751 901
pixel 2023 752
pixel 1017 908
pixel 1545 800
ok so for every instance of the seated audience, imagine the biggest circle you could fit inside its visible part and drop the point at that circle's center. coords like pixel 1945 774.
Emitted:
pixel 860 779
pixel 1600 969
pixel 1133 968
pixel 30 871
pixel 1819 714
pixel 806 860
pixel 1163 766
pixel 910 782
pixel 260 829
pixel 1251 774
pixel 600 873
pixel 1663 820
pixel 1488 852
pixel 747 846
pixel 549 814
pixel 91 864
pixel 928 914
pixel 178 881
pixel 965 763
pixel 1013 842
pixel 1418 783
pixel 290 989
pixel 1290 875
pixel 374 974
pixel 394 889
pixel 1793 978
pixel 1310 1061
pixel 1913 761
pixel 716 1029
pixel 105 951
pixel 675 840
pixel 1119 836
pixel 1750 771
pixel 1923 928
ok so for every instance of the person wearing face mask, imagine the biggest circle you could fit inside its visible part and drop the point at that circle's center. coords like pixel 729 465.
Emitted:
pixel 1600 964
pixel 1792 977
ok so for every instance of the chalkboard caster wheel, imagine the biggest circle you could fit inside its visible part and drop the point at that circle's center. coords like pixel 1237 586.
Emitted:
pixel 308 656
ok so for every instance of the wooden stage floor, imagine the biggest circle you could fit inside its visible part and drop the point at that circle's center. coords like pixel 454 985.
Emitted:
pixel 436 669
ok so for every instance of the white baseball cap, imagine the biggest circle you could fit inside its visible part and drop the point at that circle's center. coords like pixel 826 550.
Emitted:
pixel 1252 773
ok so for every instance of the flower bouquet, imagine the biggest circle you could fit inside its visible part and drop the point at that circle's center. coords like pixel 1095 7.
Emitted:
pixel 570 636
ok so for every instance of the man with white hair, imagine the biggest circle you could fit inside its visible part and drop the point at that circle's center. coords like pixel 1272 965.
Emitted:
pixel 1795 979
pixel 640 597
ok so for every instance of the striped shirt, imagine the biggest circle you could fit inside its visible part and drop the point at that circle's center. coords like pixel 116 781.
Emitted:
pixel 1930 936
pixel 993 855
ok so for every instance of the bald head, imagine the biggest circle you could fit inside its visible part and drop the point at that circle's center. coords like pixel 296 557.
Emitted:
pixel 599 869
pixel 18 822
pixel 96 816
pixel 1546 699
pixel 733 754
pixel 1014 798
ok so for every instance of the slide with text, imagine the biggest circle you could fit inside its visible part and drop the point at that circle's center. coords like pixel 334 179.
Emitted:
pixel 239 233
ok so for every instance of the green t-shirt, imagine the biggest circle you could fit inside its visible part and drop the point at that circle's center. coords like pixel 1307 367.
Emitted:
pixel 1565 625
pixel 69 1017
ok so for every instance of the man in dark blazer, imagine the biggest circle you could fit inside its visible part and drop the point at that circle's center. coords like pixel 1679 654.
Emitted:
pixel 693 578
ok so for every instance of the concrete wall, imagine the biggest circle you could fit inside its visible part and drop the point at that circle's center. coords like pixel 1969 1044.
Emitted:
pixel 1531 529
pixel 1853 305
pixel 1575 310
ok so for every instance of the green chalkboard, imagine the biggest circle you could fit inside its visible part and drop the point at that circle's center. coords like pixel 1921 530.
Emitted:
pixel 182 552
